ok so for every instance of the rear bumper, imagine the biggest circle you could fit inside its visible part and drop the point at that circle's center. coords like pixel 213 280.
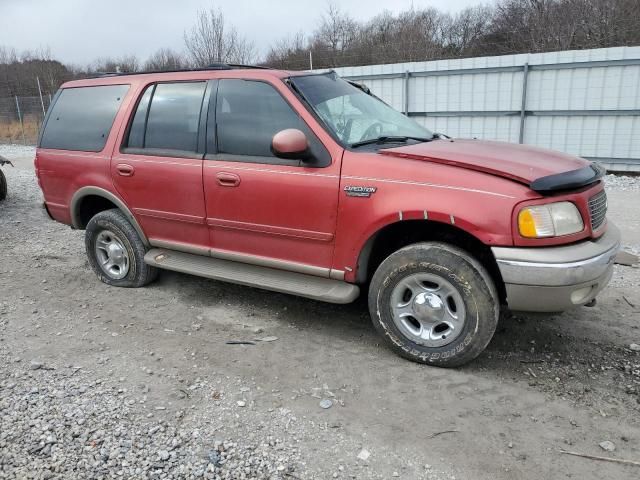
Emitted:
pixel 553 279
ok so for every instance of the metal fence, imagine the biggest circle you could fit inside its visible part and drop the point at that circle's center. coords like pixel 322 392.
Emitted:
pixel 585 102
pixel 21 118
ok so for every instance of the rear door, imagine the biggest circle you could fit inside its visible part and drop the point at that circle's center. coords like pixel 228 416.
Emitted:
pixel 260 208
pixel 158 169
pixel 73 150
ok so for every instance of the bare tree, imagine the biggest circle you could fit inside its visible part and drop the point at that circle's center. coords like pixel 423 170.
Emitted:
pixel 165 59
pixel 417 34
pixel 464 33
pixel 412 35
pixel 290 52
pixel 124 64
pixel 20 73
pixel 7 55
pixel 211 40
pixel 337 30
pixel 335 36
pixel 547 25
pixel 608 23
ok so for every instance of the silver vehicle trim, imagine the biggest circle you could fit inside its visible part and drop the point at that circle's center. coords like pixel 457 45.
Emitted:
pixel 547 284
pixel 580 263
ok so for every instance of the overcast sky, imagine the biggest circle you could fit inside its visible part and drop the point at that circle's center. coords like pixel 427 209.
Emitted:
pixel 79 31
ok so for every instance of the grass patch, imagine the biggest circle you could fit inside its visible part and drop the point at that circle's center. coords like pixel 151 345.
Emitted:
pixel 12 132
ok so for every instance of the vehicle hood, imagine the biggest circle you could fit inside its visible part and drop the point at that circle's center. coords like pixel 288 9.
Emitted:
pixel 538 168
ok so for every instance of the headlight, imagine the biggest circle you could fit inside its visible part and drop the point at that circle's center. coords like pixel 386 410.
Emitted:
pixel 550 220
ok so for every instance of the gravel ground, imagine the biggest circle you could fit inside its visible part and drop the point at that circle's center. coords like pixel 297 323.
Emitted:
pixel 622 183
pixel 17 151
pixel 62 420
pixel 99 382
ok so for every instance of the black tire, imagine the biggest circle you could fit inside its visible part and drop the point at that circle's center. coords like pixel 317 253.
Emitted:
pixel 114 222
pixel 3 186
pixel 465 274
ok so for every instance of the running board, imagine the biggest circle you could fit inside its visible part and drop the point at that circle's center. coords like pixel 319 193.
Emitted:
pixel 316 288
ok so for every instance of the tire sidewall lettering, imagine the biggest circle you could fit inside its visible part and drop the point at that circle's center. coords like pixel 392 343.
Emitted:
pixel 465 278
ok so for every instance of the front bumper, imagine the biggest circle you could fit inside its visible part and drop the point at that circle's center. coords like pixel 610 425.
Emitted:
pixel 554 279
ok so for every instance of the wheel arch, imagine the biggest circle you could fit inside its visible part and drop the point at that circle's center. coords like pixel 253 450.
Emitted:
pixel 393 236
pixel 88 201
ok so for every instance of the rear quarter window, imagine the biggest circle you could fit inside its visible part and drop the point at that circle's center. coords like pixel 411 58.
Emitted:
pixel 81 118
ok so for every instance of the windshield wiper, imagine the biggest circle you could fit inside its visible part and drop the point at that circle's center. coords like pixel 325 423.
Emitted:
pixel 389 139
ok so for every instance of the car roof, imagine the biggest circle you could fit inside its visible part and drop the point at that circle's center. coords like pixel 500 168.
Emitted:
pixel 182 75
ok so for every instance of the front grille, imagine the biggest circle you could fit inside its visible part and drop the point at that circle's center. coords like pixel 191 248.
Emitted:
pixel 598 209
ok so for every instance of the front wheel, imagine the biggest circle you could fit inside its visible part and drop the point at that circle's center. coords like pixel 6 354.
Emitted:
pixel 433 303
pixel 116 252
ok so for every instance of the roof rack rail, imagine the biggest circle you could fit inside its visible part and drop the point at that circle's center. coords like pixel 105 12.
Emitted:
pixel 213 66
pixel 218 66
pixel 241 65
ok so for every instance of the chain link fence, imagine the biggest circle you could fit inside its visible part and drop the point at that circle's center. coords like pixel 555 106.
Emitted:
pixel 21 118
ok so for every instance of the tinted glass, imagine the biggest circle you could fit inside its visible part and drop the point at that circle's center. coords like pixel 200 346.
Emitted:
pixel 249 114
pixel 81 118
pixel 136 134
pixel 174 116
pixel 353 115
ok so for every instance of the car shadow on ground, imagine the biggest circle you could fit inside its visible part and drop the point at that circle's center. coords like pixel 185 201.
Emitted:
pixel 535 349
pixel 518 337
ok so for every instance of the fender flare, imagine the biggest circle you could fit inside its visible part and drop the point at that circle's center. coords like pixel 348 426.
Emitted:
pixel 101 192
pixel 364 250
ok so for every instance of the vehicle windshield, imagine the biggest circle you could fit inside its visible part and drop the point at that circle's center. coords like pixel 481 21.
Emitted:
pixel 353 115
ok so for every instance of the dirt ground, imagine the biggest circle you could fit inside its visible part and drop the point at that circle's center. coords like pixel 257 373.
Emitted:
pixel 544 384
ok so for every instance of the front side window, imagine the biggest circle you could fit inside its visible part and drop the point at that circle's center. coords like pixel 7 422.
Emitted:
pixel 249 114
pixel 168 117
pixel 353 115
pixel 81 118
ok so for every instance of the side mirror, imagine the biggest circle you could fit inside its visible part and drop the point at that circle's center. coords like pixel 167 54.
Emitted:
pixel 290 143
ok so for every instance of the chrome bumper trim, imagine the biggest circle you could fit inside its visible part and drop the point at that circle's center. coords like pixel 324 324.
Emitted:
pixel 552 279
pixel 559 266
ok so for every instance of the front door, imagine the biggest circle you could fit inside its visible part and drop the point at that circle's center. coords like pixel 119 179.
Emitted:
pixel 260 208
pixel 159 169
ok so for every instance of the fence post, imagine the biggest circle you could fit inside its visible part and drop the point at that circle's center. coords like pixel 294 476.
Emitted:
pixel 523 105
pixel 406 92
pixel 41 100
pixel 24 141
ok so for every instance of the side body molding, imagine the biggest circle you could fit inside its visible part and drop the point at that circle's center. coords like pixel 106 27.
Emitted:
pixel 101 192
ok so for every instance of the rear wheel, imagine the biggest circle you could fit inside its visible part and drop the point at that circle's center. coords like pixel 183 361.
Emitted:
pixel 3 186
pixel 116 252
pixel 434 303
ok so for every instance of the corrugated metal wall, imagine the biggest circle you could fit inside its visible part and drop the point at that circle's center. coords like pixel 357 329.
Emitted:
pixel 584 102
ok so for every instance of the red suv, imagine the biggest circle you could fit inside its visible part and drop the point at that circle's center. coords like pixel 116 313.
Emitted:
pixel 310 185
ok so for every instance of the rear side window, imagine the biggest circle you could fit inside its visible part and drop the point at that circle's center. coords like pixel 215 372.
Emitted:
pixel 168 117
pixel 136 134
pixel 81 118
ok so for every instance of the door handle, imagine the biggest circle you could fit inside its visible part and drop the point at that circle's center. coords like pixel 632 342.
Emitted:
pixel 228 179
pixel 125 170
